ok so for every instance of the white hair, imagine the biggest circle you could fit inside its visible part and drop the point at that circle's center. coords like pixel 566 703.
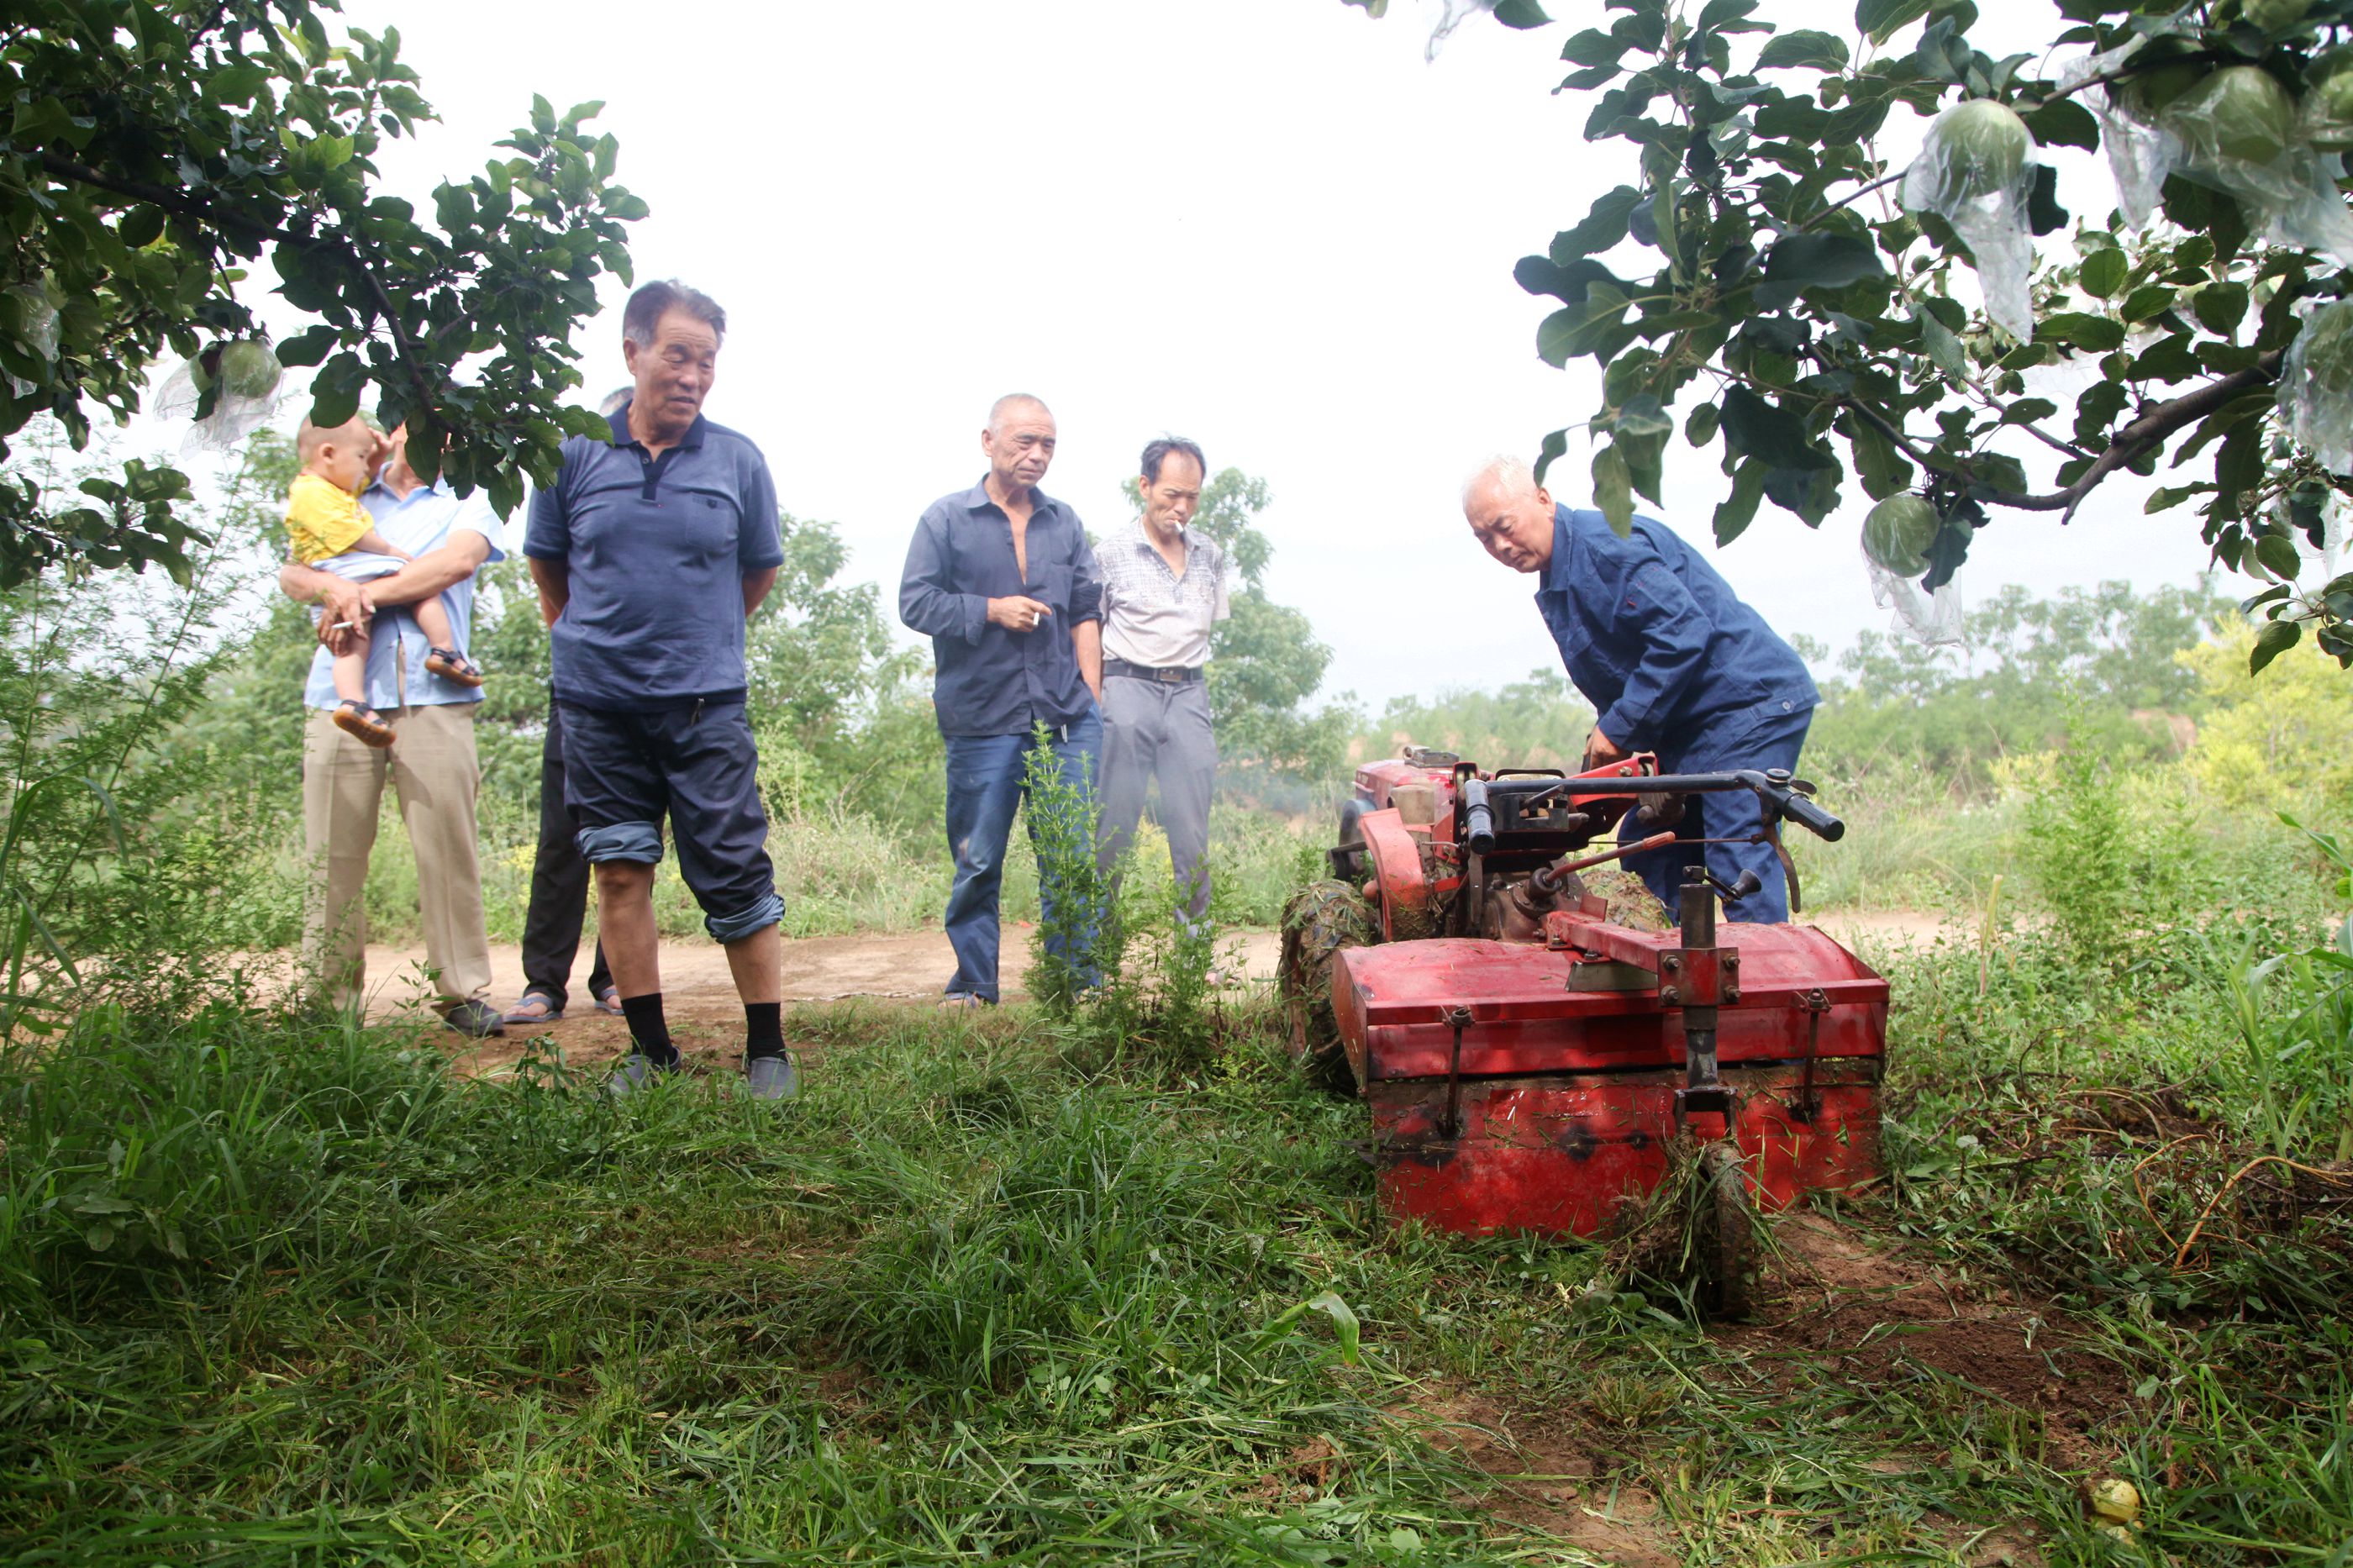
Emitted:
pixel 1510 474
pixel 1004 406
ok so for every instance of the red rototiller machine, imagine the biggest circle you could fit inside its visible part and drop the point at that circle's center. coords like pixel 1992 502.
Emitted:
pixel 1539 1043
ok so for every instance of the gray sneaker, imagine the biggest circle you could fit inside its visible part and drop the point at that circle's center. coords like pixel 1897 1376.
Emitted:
pixel 771 1078
pixel 634 1073
pixel 479 1019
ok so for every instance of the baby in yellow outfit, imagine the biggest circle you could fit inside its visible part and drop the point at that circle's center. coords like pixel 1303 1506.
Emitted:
pixel 332 531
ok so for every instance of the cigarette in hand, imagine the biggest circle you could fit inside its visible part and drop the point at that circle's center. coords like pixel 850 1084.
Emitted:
pixel 344 627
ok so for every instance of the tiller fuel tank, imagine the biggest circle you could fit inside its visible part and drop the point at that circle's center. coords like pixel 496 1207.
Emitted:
pixel 1530 1046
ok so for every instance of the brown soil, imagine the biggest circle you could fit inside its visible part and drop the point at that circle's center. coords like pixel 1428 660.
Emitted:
pixel 1871 1314
pixel 699 995
pixel 1553 1474
pixel 1841 1303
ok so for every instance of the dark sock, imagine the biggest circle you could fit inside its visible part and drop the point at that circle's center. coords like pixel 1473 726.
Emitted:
pixel 763 1030
pixel 647 1030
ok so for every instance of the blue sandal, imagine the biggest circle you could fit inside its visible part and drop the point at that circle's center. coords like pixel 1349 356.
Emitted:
pixel 536 1007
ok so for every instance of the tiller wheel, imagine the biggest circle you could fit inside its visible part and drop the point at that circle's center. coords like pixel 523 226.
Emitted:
pixel 1725 1229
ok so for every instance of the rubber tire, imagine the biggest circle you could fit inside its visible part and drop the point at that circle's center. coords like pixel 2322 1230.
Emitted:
pixel 1727 1225
pixel 1318 921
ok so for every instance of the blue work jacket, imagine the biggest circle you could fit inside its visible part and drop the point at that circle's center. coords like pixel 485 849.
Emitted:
pixel 1657 642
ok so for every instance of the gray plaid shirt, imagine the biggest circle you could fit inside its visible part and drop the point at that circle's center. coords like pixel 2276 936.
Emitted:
pixel 1152 617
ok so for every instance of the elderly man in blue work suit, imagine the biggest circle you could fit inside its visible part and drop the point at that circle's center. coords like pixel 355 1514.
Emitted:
pixel 1671 660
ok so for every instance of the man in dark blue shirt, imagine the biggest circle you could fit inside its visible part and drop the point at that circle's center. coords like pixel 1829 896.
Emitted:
pixel 1001 579
pixel 649 553
pixel 1670 657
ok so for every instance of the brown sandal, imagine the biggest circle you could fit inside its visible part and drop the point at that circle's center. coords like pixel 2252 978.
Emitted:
pixel 450 665
pixel 363 723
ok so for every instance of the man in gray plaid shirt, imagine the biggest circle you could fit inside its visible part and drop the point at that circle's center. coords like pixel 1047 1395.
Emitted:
pixel 1164 586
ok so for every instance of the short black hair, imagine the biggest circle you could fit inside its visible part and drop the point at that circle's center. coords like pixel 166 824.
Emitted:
pixel 1157 452
pixel 641 318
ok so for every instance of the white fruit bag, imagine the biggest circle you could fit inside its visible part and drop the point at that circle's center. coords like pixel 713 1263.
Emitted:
pixel 1976 173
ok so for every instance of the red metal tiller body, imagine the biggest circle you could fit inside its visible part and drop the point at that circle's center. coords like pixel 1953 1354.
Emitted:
pixel 1559 1099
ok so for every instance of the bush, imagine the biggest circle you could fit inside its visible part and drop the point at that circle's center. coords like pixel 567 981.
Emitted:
pixel 129 869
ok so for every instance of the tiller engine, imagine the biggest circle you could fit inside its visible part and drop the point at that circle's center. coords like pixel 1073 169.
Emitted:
pixel 1539 1042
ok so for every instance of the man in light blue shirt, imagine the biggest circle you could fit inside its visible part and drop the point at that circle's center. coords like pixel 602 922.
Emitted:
pixel 431 763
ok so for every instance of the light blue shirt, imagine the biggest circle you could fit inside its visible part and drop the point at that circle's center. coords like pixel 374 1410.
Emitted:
pixel 423 520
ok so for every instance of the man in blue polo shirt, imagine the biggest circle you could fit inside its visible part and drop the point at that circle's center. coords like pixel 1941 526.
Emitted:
pixel 649 555
pixel 1670 657
pixel 1001 579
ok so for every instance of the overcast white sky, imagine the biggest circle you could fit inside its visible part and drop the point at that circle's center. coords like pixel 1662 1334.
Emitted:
pixel 1263 223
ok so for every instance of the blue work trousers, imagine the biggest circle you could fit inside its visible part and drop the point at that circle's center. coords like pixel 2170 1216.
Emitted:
pixel 1770 743
pixel 988 779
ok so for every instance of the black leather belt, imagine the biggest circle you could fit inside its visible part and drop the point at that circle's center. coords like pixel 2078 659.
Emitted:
pixel 1175 675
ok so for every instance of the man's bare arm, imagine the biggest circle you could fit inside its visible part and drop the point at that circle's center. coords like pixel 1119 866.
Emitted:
pixel 1086 641
pixel 553 581
pixel 347 603
pixel 755 589
pixel 301 584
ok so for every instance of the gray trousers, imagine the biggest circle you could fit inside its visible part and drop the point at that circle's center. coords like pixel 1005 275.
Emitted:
pixel 1152 729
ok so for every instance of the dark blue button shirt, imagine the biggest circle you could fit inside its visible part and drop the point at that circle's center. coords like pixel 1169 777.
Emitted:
pixel 1656 642
pixel 658 549
pixel 992 682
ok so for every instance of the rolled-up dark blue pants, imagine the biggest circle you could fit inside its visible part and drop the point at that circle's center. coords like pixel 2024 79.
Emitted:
pixel 987 780
pixel 1768 743
pixel 625 772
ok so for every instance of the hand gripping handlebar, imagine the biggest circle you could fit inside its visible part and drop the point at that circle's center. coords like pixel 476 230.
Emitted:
pixel 1776 790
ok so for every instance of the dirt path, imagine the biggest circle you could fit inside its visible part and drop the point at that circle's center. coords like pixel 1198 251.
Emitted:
pixel 1871 931
pixel 699 995
pixel 905 966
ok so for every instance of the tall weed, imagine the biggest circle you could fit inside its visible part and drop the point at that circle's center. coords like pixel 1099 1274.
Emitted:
pixel 130 871
pixel 1076 944
pixel 2077 851
pixel 1121 967
pixel 2293 1013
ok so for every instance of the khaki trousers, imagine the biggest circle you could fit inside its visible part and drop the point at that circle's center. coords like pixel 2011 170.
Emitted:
pixel 435 774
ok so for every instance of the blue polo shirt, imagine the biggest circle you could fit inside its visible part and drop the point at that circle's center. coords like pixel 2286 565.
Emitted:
pixel 420 520
pixel 657 549
pixel 1657 641
pixel 989 680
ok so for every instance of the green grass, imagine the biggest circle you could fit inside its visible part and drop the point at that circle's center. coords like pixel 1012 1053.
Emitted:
pixel 272 1293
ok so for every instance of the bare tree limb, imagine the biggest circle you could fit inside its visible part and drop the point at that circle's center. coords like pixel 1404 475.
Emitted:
pixel 1858 191
pixel 2148 432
